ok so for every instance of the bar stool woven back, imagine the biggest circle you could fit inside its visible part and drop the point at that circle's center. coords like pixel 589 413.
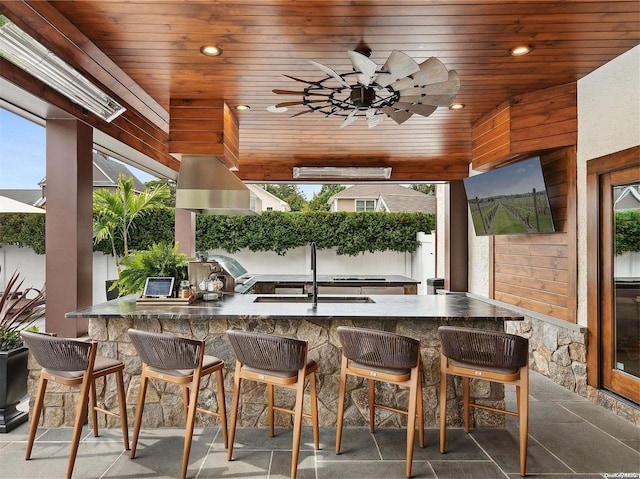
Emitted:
pixel 178 361
pixel 490 355
pixel 387 357
pixel 73 362
pixel 275 361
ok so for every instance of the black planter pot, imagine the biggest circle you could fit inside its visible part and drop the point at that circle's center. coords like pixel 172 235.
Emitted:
pixel 114 293
pixel 13 387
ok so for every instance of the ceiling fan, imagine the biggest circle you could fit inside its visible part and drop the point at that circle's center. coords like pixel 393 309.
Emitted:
pixel 398 90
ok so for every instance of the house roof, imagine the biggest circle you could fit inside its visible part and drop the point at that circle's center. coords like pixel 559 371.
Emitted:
pixel 29 197
pixel 409 203
pixel 628 198
pixel 106 172
pixel 394 198
pixel 374 191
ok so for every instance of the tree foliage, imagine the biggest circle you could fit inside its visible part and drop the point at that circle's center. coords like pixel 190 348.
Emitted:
pixel 289 193
pixel 319 202
pixel 427 189
pixel 627 231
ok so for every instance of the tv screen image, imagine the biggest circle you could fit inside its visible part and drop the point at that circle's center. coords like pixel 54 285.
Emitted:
pixel 510 200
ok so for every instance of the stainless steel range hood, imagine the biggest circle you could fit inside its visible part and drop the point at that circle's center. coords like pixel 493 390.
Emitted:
pixel 205 185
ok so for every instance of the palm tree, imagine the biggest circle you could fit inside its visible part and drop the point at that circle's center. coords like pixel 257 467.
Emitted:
pixel 115 211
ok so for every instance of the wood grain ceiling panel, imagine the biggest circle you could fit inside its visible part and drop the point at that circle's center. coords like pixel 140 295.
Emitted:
pixel 156 44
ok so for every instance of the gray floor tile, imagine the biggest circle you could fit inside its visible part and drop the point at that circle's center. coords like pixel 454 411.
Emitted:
pixel 503 446
pixel 357 445
pixel 557 476
pixel 585 448
pixel 281 465
pixel 459 446
pixel 246 464
pixel 541 388
pixel 549 412
pixel 259 439
pixel 605 420
pixel 467 469
pixel 373 470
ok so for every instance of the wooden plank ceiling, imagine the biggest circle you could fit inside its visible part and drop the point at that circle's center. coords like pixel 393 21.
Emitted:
pixel 156 43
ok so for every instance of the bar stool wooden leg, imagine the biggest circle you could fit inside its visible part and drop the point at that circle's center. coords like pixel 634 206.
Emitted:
pixel 234 410
pixel 185 400
pixel 411 419
pixel 523 416
pixel 122 404
pixel 140 407
pixel 270 409
pixel 341 393
pixel 35 414
pixel 372 405
pixel 443 402
pixel 92 408
pixel 465 402
pixel 222 408
pixel 191 421
pixel 419 407
pixel 314 410
pixel 81 414
pixel 297 424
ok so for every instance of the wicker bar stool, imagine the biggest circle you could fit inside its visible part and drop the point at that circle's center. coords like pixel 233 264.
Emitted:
pixel 382 356
pixel 275 361
pixel 178 361
pixel 73 362
pixel 490 355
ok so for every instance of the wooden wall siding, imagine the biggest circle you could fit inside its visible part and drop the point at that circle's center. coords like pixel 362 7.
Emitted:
pixel 538 271
pixel 231 138
pixel 539 121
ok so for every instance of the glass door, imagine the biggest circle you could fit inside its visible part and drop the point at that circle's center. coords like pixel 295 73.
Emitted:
pixel 620 281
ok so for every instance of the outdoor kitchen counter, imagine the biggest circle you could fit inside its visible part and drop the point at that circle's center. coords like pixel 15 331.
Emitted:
pixel 415 316
pixel 268 283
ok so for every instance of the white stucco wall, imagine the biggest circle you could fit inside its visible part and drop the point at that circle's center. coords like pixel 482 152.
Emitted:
pixel 478 257
pixel 608 121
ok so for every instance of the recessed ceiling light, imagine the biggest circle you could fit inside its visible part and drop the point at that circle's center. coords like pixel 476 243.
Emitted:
pixel 211 50
pixel 456 106
pixel 520 50
pixel 275 109
pixel 243 107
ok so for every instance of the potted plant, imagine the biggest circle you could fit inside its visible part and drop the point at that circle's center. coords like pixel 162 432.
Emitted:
pixel 162 259
pixel 18 310
pixel 114 213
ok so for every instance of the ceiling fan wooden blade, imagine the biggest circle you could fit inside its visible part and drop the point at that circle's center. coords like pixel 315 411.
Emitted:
pixel 397 66
pixel 364 65
pixel 351 117
pixel 315 83
pixel 331 73
pixel 449 87
pixel 291 92
pixel 303 112
pixel 294 103
pixel 399 116
pixel 375 120
pixel 417 108
pixel 431 71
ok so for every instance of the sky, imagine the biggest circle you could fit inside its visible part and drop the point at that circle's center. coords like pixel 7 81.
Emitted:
pixel 22 155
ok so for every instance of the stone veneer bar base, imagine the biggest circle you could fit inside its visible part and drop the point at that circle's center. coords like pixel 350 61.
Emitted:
pixel 164 402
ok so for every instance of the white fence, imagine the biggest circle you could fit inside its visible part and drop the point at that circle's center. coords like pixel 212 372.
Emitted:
pixel 418 265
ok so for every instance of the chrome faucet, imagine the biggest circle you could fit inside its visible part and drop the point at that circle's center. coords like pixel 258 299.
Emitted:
pixel 314 290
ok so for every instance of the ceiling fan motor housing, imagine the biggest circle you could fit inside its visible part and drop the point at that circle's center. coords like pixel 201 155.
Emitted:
pixel 362 96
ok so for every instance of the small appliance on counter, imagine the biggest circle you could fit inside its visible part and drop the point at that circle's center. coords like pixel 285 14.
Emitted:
pixel 214 275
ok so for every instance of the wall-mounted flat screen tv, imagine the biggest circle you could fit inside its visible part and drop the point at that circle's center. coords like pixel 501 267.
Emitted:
pixel 510 200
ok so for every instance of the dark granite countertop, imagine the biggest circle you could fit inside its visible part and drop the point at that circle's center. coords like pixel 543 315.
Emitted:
pixel 327 280
pixel 243 306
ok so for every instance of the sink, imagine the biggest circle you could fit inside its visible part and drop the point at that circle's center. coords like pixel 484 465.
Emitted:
pixel 358 278
pixel 275 298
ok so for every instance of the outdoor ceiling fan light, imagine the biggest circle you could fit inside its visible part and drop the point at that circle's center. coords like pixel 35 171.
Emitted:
pixel 25 52
pixel 456 106
pixel 398 89
pixel 520 50
pixel 211 50
pixel 350 172
pixel 243 107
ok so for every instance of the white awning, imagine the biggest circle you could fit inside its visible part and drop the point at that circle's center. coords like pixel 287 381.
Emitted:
pixel 8 205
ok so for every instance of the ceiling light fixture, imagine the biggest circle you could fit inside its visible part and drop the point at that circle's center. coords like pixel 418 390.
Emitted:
pixel 351 172
pixel 397 90
pixel 275 109
pixel 456 106
pixel 211 50
pixel 520 50
pixel 243 107
pixel 25 52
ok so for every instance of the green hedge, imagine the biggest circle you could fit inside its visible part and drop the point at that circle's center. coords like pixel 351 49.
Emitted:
pixel 348 233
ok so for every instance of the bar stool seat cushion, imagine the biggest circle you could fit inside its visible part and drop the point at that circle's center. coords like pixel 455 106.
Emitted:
pixel 478 367
pixel 278 374
pixel 100 364
pixel 394 371
pixel 207 362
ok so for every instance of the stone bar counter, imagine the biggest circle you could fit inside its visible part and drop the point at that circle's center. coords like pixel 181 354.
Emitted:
pixel 415 316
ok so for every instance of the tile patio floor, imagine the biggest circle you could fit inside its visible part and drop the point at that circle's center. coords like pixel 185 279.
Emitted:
pixel 569 438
